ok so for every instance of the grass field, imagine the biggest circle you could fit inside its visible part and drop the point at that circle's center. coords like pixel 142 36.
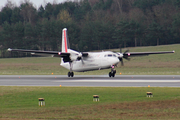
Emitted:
pixel 21 103
pixel 166 64
pixel 77 103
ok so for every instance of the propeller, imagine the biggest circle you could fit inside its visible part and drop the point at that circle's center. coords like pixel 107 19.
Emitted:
pixel 123 55
pixel 80 57
pixel 120 58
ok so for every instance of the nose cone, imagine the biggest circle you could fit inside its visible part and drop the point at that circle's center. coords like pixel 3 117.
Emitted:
pixel 113 61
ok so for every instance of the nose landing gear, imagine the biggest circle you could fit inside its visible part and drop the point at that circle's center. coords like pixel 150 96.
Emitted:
pixel 70 74
pixel 113 72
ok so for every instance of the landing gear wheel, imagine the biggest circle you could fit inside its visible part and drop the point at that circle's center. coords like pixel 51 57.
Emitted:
pixel 110 74
pixel 70 74
pixel 113 74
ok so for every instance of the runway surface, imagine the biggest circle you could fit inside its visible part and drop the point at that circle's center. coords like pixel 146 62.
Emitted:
pixel 91 80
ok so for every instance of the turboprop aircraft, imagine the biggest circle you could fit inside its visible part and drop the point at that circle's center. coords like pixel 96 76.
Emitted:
pixel 88 61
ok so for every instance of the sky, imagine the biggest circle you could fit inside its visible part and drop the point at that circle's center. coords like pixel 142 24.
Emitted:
pixel 36 3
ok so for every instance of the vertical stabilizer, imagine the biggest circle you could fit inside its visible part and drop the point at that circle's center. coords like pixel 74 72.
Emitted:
pixel 65 41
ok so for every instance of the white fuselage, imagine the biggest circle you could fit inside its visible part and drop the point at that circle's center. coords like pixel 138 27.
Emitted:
pixel 94 61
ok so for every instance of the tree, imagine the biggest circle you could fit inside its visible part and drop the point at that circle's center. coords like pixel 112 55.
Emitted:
pixel 147 4
pixel 18 34
pixel 137 14
pixel 48 11
pixel 86 38
pixel 30 37
pixel 64 16
pixel 28 12
pixel 6 13
pixel 7 35
pixel 45 34
pixel 91 24
pixel 16 17
pixel 123 32
pixel 135 30
pixel 81 10
pixel 155 32
pixel 176 27
pixel 41 11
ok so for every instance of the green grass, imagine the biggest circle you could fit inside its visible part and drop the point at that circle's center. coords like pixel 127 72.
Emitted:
pixel 166 64
pixel 77 103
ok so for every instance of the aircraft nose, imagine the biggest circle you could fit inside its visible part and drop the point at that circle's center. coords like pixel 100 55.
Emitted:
pixel 117 61
pixel 114 61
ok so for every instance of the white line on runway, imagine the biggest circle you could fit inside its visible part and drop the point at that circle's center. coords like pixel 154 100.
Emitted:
pixel 162 81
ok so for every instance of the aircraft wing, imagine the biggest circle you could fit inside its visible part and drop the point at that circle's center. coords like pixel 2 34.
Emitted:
pixel 39 52
pixel 134 54
pixel 67 57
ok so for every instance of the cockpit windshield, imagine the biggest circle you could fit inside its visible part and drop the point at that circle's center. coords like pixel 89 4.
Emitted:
pixel 114 55
pixel 110 55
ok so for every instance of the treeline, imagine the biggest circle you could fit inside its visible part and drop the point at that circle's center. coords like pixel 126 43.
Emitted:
pixel 91 24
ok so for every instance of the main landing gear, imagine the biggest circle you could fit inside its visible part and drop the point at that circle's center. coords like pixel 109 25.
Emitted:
pixel 70 73
pixel 113 72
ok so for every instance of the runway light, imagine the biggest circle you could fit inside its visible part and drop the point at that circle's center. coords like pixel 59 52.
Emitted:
pixel 19 77
pixel 148 85
pixel 41 102
pixel 149 94
pixel 96 98
pixel 173 77
pixel 60 85
pixel 55 77
pixel 52 73
pixel 120 73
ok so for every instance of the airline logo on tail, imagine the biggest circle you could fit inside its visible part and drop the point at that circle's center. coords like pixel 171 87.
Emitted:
pixel 64 41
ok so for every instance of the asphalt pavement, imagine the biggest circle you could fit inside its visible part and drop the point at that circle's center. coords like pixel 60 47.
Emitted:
pixel 91 80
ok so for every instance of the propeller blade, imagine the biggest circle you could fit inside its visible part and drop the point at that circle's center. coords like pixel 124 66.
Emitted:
pixel 80 56
pixel 82 61
pixel 121 59
pixel 123 55
pixel 126 51
pixel 127 58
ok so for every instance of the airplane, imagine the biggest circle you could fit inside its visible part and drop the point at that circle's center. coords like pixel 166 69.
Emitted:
pixel 76 61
